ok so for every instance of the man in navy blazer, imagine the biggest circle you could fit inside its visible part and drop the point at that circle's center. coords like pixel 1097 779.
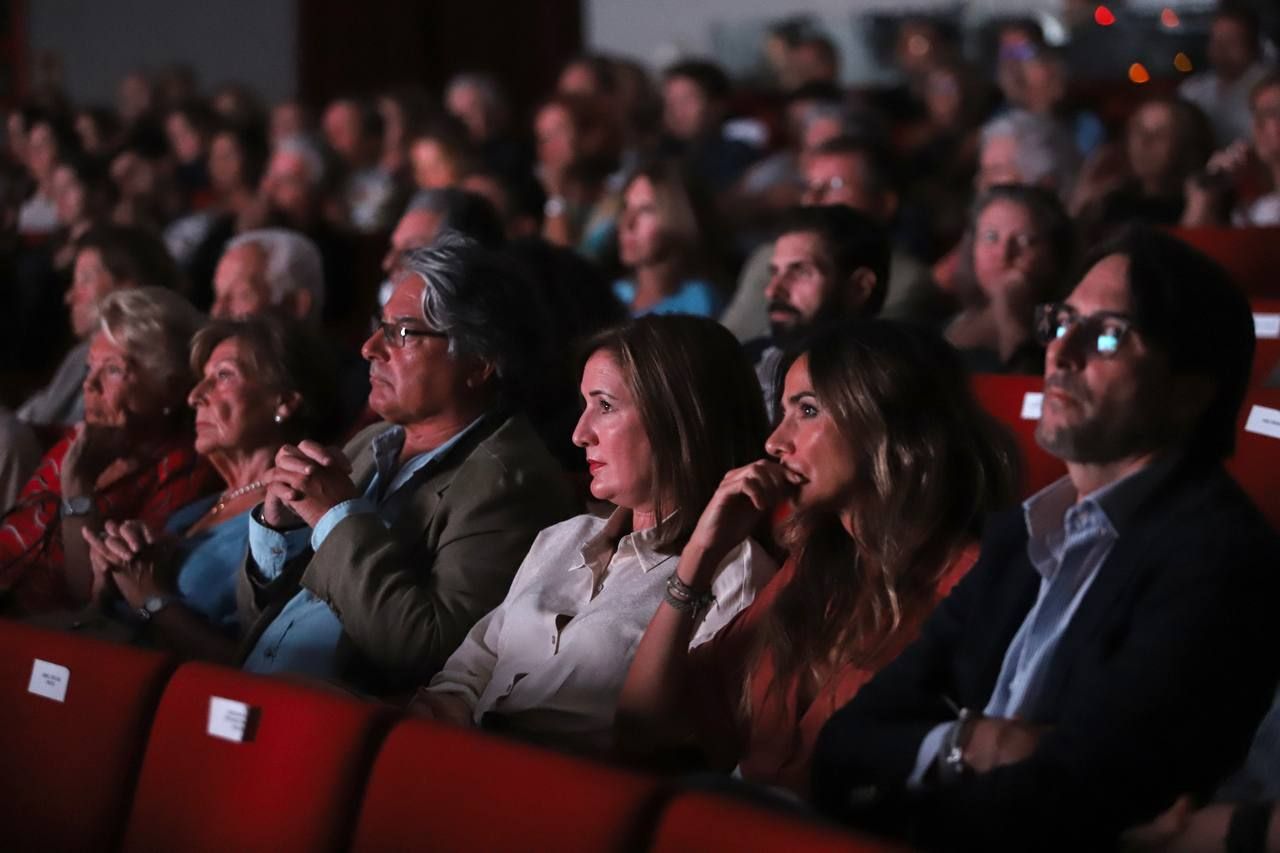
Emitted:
pixel 1115 645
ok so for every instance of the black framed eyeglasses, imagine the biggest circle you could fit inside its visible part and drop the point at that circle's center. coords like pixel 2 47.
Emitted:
pixel 1102 332
pixel 395 334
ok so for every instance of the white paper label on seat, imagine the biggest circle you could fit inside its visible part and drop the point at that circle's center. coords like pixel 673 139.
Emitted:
pixel 1263 421
pixel 49 680
pixel 228 719
pixel 1032 402
pixel 1266 325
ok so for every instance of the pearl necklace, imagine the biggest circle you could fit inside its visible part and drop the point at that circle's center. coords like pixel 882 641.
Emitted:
pixel 228 497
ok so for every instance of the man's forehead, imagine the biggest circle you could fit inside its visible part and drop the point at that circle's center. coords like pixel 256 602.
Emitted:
pixel 1104 287
pixel 797 245
pixel 847 165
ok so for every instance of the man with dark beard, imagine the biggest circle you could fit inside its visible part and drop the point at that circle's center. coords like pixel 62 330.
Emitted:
pixel 830 263
pixel 1114 646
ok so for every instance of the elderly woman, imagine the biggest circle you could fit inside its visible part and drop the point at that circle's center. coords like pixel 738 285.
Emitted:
pixel 1018 250
pixel 130 458
pixel 890 465
pixel 550 660
pixel 667 242
pixel 261 386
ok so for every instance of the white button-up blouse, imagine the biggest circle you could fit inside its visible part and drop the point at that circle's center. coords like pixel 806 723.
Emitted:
pixel 552 658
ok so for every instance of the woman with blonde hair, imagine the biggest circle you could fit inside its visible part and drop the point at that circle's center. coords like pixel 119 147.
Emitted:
pixel 890 466
pixel 131 457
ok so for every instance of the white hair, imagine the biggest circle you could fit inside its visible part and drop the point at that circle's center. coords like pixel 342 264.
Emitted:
pixel 310 153
pixel 1045 152
pixel 292 263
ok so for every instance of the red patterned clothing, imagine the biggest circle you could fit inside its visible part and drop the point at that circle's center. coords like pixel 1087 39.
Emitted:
pixel 31 555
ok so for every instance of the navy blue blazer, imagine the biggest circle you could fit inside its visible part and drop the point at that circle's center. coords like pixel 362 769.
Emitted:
pixel 1155 688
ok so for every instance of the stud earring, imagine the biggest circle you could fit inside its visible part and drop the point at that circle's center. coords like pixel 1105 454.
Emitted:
pixel 279 418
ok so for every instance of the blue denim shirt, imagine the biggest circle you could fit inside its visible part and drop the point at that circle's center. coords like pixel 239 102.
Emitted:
pixel 304 636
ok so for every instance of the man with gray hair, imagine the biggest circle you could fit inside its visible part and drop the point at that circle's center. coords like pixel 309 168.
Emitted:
pixel 369 565
pixel 1019 147
pixel 270 268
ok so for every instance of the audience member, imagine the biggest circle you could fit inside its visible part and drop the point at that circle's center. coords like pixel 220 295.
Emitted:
pixel 830 263
pixel 853 173
pixel 695 97
pixel 657 450
pixel 1212 196
pixel 354 132
pixel 370 565
pixel 890 465
pixel 261 385
pixel 478 101
pixel 667 238
pixel 1018 251
pixel 131 457
pixel 1236 66
pixel 1041 706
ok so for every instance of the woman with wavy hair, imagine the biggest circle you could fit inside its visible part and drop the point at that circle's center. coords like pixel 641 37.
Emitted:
pixel 890 466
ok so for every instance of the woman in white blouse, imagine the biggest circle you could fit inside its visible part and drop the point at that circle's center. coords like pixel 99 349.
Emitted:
pixel 671 405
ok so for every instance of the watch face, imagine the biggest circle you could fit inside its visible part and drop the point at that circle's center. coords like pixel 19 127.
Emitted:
pixel 78 505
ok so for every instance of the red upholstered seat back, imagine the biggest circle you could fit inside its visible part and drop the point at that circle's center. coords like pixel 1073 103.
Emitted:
pixel 1251 255
pixel 1256 463
pixel 67 769
pixel 1006 399
pixel 710 823
pixel 294 785
pixel 446 789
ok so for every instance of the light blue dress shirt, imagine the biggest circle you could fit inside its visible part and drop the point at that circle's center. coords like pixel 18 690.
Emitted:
pixel 1067 542
pixel 304 636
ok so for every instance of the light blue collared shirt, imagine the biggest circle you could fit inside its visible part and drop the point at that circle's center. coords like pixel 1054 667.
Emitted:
pixel 304 636
pixel 1067 542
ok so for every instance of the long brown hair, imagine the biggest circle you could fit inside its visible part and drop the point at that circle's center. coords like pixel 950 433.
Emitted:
pixel 701 405
pixel 929 463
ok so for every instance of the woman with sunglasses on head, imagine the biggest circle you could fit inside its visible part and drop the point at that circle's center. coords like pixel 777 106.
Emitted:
pixel 1018 252
pixel 890 466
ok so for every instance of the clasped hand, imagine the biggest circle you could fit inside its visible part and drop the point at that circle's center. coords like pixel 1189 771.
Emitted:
pixel 128 556
pixel 995 742
pixel 741 500
pixel 307 481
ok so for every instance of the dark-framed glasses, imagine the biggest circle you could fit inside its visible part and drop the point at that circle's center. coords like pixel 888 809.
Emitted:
pixel 1101 332
pixel 395 334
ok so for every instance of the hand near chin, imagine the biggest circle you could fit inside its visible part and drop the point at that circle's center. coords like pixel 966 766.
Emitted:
pixel 309 480
pixel 742 499
pixel 93 449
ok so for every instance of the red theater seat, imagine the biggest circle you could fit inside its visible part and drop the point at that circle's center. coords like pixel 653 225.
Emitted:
pixel 293 785
pixel 446 789
pixel 1266 323
pixel 1251 255
pixel 67 768
pixel 709 823
pixel 1256 463
pixel 1015 402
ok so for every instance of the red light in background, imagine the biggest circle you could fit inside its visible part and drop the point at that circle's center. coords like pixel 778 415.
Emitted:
pixel 1138 73
pixel 1102 16
pixel 1169 19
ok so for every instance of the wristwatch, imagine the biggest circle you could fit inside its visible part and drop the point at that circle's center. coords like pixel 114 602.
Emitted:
pixel 77 506
pixel 154 605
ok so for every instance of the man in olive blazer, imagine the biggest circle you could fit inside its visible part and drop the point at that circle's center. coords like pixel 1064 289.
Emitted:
pixel 370 565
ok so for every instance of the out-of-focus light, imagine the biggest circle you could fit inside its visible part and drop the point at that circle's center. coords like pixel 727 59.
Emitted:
pixel 1102 16
pixel 1138 73
pixel 1169 19
pixel 1182 62
pixel 918 45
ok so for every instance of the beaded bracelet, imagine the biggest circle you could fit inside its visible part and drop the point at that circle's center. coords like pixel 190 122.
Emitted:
pixel 682 597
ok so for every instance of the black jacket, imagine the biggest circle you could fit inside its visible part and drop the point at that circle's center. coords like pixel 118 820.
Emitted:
pixel 1155 688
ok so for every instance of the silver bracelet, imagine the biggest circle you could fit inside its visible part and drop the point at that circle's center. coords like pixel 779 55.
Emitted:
pixel 682 597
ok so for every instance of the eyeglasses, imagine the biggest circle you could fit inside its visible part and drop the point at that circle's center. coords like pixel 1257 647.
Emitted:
pixel 1102 332
pixel 395 334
